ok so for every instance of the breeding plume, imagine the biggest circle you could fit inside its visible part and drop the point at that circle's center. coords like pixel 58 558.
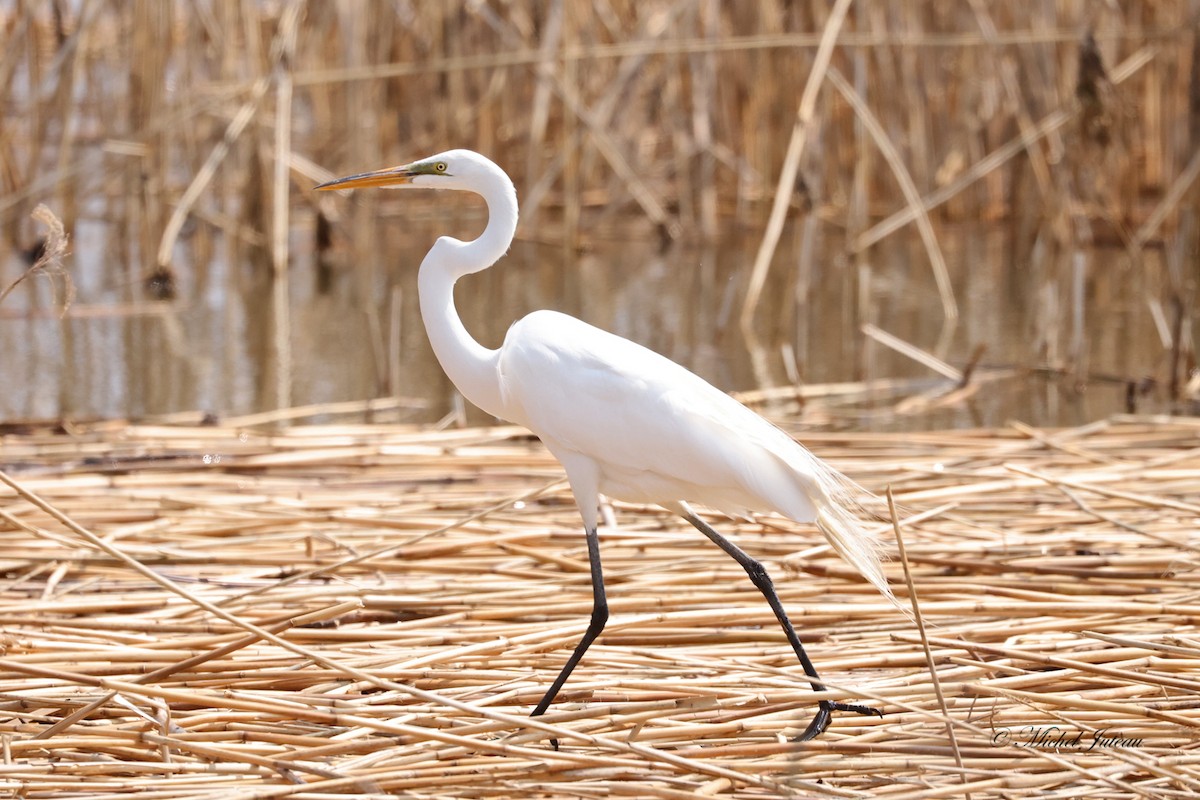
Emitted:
pixel 624 421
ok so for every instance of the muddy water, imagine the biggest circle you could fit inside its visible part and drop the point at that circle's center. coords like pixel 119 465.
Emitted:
pixel 1089 316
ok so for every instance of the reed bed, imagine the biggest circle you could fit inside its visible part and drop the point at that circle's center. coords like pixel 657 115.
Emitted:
pixel 178 143
pixel 239 611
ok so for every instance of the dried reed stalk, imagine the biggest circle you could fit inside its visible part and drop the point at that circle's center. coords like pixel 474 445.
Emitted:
pixel 350 610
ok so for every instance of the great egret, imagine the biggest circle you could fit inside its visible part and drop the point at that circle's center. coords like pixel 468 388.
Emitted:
pixel 623 420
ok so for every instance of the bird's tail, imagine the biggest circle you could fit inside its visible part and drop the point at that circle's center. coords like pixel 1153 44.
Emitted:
pixel 839 516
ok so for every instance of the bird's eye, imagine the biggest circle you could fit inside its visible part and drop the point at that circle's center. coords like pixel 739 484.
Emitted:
pixel 440 166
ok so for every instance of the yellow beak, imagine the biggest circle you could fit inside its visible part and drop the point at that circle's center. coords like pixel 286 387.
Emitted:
pixel 392 176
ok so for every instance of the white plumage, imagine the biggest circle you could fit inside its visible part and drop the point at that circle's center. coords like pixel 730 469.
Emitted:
pixel 623 420
pixel 655 432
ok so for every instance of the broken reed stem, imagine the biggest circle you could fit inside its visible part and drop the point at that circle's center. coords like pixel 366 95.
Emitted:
pixel 912 351
pixel 916 607
pixel 283 56
pixel 937 261
pixel 786 184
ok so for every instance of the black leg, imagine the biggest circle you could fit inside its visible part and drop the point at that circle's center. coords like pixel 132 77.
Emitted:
pixel 599 619
pixel 758 574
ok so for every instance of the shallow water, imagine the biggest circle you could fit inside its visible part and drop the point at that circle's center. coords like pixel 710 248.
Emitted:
pixel 210 349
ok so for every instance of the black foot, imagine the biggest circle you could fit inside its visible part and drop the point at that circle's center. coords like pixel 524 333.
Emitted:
pixel 537 713
pixel 821 721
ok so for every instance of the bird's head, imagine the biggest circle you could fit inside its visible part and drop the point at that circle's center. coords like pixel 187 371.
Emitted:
pixel 454 169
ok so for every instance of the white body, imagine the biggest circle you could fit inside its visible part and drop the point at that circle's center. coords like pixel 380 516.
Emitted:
pixel 623 420
pixel 652 431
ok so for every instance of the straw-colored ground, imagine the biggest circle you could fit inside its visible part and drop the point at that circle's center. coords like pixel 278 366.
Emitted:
pixel 426 593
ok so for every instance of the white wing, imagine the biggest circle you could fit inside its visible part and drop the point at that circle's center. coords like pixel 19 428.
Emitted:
pixel 657 431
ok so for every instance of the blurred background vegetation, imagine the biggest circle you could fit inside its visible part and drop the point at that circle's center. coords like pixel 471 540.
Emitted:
pixel 994 215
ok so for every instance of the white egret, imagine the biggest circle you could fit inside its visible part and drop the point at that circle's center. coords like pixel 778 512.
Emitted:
pixel 623 420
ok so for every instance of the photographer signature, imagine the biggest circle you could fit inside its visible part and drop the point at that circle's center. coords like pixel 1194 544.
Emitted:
pixel 1052 737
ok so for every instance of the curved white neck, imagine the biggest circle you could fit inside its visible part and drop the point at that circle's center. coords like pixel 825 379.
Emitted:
pixel 470 366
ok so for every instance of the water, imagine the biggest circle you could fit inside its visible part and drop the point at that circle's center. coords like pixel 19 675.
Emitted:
pixel 210 349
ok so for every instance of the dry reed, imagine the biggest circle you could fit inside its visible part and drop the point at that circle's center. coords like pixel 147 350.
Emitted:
pixel 194 133
pixel 386 603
